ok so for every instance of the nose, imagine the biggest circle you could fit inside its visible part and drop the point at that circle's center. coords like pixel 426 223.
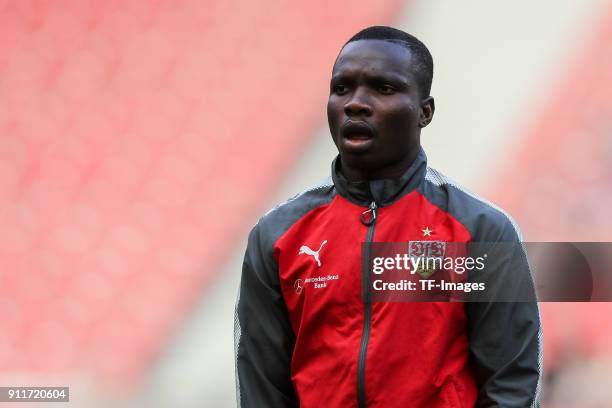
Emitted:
pixel 357 105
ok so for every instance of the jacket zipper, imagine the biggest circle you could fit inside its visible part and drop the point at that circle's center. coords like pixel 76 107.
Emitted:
pixel 368 218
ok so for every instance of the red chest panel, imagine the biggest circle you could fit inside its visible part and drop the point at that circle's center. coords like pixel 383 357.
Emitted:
pixel 416 349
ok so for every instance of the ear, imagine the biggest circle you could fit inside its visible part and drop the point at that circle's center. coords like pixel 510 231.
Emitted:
pixel 428 108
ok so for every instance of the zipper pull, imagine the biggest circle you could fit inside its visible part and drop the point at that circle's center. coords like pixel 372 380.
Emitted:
pixel 369 215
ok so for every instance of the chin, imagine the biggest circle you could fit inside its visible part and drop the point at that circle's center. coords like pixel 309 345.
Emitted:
pixel 360 160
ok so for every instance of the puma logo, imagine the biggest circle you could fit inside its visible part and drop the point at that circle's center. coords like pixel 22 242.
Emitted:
pixel 315 254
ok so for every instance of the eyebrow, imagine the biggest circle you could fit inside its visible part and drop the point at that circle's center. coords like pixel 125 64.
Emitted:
pixel 397 79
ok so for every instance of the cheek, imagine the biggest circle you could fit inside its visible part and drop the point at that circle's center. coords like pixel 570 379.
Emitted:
pixel 402 115
pixel 333 115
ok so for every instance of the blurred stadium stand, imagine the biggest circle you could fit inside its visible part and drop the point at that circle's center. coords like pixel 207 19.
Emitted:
pixel 139 141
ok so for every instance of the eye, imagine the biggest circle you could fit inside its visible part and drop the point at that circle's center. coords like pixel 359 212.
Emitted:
pixel 386 89
pixel 339 89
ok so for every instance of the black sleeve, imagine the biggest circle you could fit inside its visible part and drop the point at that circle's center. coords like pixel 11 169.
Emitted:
pixel 504 329
pixel 263 337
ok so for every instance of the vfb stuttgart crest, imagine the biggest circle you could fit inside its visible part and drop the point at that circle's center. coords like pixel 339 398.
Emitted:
pixel 429 254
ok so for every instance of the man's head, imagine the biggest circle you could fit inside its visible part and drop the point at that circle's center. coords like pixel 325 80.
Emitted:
pixel 379 101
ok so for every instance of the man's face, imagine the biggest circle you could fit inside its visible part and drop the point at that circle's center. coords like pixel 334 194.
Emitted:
pixel 375 109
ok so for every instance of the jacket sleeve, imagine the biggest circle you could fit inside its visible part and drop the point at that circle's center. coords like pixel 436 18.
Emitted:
pixel 504 329
pixel 263 337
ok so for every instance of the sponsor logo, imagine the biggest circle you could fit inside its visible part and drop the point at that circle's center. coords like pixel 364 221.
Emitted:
pixel 305 250
pixel 299 286
pixel 317 282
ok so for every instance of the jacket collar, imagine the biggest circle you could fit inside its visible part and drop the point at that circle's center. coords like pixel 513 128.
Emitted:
pixel 383 192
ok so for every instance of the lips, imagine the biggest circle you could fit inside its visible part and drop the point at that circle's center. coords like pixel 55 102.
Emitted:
pixel 357 137
pixel 357 130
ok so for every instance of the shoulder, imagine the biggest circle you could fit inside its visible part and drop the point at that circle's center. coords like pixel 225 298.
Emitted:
pixel 279 219
pixel 485 220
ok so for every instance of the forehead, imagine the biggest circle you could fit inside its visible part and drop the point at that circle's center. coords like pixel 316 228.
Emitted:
pixel 376 56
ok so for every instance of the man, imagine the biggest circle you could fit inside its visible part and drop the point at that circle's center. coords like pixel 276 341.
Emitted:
pixel 307 331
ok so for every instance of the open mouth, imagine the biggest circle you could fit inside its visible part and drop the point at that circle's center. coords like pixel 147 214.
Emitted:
pixel 357 135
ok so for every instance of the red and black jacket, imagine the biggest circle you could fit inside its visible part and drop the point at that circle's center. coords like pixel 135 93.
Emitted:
pixel 305 342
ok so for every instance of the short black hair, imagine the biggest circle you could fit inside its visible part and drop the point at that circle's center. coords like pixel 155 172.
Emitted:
pixel 422 57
